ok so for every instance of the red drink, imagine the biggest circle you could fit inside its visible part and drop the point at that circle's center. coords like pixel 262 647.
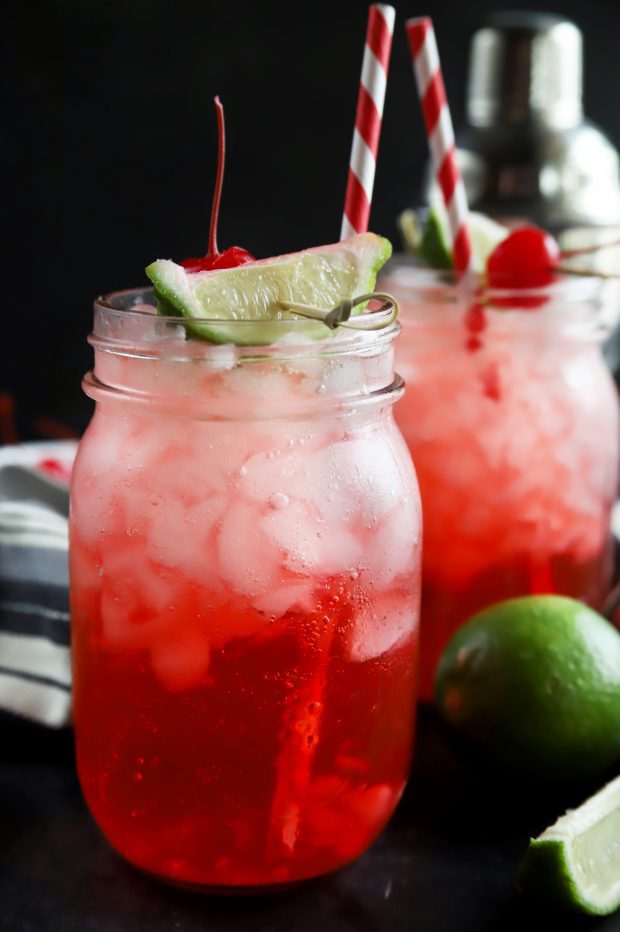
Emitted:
pixel 513 430
pixel 245 582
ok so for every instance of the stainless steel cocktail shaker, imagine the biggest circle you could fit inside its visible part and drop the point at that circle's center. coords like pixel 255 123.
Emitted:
pixel 527 149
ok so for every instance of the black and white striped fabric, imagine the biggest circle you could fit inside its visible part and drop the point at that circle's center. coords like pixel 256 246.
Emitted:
pixel 35 671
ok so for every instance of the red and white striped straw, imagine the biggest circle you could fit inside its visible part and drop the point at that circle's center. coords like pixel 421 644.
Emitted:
pixel 432 93
pixel 368 118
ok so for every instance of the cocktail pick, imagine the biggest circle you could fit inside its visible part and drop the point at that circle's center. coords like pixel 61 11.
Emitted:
pixel 339 316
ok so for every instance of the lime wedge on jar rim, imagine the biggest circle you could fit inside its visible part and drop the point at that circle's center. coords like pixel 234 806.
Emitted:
pixel 576 862
pixel 217 301
pixel 428 236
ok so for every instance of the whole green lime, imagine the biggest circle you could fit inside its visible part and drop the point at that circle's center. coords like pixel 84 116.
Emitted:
pixel 534 683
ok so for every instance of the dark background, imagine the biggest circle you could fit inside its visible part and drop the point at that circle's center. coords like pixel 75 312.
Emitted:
pixel 109 150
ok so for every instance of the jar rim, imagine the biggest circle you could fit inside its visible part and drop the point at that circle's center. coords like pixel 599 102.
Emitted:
pixel 406 271
pixel 433 300
pixel 125 319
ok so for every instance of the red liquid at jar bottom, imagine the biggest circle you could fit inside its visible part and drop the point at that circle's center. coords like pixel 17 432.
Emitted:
pixel 283 764
pixel 445 609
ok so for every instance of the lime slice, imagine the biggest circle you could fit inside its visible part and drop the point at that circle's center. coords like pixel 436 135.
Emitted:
pixel 576 862
pixel 435 247
pixel 216 301
pixel 430 239
pixel 411 229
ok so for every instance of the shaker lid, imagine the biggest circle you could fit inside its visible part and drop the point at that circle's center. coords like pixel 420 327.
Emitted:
pixel 525 65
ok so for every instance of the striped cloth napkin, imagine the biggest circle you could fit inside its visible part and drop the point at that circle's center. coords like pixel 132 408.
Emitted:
pixel 35 671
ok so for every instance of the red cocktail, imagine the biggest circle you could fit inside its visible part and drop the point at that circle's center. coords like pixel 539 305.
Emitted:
pixel 513 429
pixel 245 534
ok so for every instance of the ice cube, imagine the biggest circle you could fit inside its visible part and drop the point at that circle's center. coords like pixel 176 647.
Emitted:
pixel 119 611
pixel 178 536
pixel 360 479
pixel 295 596
pixel 394 548
pixel 129 575
pixel 309 545
pixel 248 562
pixel 343 375
pixel 268 473
pixel 94 512
pixel 381 623
pixel 255 382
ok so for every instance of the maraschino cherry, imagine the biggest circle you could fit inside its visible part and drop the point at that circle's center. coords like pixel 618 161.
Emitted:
pixel 234 255
pixel 527 258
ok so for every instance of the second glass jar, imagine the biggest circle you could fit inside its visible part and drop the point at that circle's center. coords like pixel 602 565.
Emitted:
pixel 511 417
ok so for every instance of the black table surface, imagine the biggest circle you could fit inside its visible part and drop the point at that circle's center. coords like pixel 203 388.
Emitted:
pixel 446 863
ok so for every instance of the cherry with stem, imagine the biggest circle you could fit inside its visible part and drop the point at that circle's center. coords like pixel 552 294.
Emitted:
pixel 530 258
pixel 234 255
pixel 214 252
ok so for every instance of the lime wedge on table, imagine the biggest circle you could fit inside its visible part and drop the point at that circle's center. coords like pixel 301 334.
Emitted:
pixel 217 300
pixel 576 862
pixel 429 237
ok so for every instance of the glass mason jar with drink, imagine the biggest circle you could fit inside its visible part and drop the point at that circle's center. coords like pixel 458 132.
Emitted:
pixel 511 413
pixel 245 549
pixel 245 557
pixel 511 417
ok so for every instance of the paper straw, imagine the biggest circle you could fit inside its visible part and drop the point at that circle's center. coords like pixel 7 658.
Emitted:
pixel 368 117
pixel 432 93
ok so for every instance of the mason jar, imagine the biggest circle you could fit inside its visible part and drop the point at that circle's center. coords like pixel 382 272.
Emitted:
pixel 245 575
pixel 511 417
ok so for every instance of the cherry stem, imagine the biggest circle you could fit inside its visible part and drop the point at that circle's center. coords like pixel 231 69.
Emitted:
pixel 219 179
pixel 586 250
